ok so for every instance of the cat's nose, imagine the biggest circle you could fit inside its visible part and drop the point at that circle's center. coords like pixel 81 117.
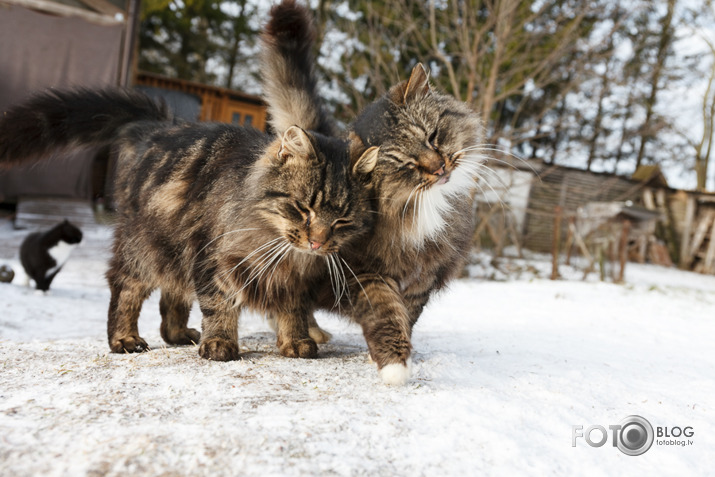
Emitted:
pixel 314 245
pixel 440 171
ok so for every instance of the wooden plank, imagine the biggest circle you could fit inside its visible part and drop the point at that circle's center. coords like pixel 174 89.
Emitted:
pixel 710 255
pixel 66 11
pixel 648 199
pixel 699 236
pixel 685 253
pixel 103 6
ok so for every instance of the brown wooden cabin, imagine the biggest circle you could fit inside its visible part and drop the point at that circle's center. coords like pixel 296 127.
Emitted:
pixel 216 104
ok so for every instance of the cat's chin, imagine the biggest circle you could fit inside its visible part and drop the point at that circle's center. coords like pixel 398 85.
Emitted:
pixel 396 374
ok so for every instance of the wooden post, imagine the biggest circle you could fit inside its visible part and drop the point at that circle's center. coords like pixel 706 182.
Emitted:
pixel 687 230
pixel 698 237
pixel 623 250
pixel 602 262
pixel 709 266
pixel 671 235
pixel 556 244
pixel 570 239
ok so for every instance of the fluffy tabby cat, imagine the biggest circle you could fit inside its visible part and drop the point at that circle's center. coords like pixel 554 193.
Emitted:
pixel 225 214
pixel 425 180
pixel 43 254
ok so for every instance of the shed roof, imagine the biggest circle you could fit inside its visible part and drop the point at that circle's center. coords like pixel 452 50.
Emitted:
pixel 103 12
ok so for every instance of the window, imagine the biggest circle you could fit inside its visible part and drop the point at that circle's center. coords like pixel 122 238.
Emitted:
pixel 236 118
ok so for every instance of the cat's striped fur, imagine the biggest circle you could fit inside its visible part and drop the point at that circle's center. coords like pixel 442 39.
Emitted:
pixel 223 214
pixel 425 180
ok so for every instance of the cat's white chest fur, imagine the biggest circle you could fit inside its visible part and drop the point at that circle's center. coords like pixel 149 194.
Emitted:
pixel 60 253
pixel 435 203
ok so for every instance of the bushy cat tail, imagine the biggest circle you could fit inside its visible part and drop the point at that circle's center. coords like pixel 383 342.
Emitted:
pixel 287 62
pixel 56 120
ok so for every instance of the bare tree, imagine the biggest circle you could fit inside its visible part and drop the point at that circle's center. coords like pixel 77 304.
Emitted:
pixel 703 147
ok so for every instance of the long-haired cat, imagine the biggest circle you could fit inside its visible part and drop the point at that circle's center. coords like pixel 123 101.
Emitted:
pixel 227 215
pixel 43 254
pixel 425 181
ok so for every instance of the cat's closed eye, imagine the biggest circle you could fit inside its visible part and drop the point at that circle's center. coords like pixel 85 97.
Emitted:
pixel 432 138
pixel 304 211
pixel 340 223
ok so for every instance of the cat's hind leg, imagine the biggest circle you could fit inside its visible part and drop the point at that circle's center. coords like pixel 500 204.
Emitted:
pixel 127 295
pixel 292 337
pixel 316 332
pixel 175 311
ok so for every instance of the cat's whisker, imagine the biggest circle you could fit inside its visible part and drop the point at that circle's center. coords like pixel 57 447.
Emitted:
pixel 344 280
pixel 220 236
pixel 250 269
pixel 283 255
pixel 490 174
pixel 340 283
pixel 407 202
pixel 269 245
pixel 270 258
pixel 333 285
pixel 494 148
pixel 358 282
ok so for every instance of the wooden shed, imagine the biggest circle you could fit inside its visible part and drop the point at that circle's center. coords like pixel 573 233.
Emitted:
pixel 216 104
pixel 570 189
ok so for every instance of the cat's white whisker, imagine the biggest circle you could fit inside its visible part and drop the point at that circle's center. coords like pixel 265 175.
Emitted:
pixel 220 236
pixel 269 259
pixel 407 202
pixel 259 262
pixel 359 284
pixel 333 284
pixel 269 245
pixel 284 254
pixel 346 288
pixel 340 280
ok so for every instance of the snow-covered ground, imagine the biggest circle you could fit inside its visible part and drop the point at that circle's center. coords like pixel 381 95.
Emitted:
pixel 503 370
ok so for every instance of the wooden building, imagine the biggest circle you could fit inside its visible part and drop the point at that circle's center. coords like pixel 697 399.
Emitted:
pixel 571 189
pixel 216 104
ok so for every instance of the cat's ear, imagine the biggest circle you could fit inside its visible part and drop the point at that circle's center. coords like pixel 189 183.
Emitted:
pixel 416 87
pixel 295 143
pixel 367 161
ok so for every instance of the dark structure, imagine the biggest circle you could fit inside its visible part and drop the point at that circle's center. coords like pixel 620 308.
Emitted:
pixel 55 44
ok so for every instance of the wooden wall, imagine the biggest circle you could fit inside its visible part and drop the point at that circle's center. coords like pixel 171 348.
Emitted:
pixel 217 104
pixel 569 189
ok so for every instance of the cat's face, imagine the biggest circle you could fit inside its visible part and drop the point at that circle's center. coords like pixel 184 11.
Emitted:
pixel 316 197
pixel 428 152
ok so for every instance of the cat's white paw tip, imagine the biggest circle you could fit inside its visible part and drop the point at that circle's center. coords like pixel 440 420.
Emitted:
pixel 396 374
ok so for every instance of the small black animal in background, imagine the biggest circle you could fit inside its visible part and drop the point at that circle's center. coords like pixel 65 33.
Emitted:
pixel 43 254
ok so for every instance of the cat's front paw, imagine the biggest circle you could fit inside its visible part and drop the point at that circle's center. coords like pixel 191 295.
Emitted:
pixel 305 348
pixel 128 344
pixel 182 336
pixel 396 374
pixel 219 349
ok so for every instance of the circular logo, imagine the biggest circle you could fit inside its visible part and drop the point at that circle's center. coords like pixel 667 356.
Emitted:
pixel 635 436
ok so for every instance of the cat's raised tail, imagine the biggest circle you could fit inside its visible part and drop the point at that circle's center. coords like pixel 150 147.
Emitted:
pixel 290 86
pixel 56 120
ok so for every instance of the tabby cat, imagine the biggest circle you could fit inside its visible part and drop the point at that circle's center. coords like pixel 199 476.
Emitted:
pixel 228 215
pixel 425 180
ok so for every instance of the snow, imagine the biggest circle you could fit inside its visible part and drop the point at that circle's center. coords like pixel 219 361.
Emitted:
pixel 501 372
